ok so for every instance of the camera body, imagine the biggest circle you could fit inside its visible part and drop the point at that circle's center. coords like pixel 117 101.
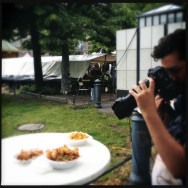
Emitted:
pixel 164 86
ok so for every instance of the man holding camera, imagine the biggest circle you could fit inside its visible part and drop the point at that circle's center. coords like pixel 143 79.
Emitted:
pixel 168 136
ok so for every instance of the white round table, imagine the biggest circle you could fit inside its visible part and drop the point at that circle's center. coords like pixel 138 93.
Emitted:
pixel 94 160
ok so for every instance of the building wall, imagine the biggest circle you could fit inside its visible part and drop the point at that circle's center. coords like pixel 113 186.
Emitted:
pixel 125 59
pixel 126 53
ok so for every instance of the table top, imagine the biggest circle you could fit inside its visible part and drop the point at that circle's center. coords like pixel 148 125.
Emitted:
pixel 94 160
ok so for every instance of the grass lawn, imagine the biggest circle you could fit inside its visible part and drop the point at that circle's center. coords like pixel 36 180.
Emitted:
pixel 59 117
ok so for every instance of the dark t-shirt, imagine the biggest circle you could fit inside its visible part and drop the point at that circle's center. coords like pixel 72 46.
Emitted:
pixel 177 126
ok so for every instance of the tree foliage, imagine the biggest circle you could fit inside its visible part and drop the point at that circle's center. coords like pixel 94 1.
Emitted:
pixel 57 28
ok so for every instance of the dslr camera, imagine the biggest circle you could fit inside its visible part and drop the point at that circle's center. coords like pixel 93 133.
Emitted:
pixel 164 86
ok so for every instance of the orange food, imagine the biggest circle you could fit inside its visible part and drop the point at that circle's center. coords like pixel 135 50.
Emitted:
pixel 62 154
pixel 26 155
pixel 78 136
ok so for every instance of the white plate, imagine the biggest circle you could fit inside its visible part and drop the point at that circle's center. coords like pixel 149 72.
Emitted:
pixel 60 165
pixel 78 142
pixel 22 161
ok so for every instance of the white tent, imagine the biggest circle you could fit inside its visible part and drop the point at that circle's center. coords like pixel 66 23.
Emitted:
pixel 22 68
pixel 27 55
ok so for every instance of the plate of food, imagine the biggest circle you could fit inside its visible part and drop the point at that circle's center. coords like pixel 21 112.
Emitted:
pixel 62 157
pixel 78 138
pixel 26 156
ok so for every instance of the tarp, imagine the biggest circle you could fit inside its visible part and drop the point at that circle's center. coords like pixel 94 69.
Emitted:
pixel 22 68
pixel 7 47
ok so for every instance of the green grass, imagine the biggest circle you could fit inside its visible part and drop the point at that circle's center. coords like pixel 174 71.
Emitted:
pixel 58 117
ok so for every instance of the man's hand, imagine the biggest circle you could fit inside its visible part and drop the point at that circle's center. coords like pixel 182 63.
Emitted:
pixel 144 96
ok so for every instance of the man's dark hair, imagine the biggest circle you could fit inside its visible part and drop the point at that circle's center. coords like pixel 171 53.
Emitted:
pixel 174 42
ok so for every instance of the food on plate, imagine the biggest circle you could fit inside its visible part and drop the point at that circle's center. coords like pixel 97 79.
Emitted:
pixel 78 138
pixel 78 135
pixel 62 154
pixel 26 155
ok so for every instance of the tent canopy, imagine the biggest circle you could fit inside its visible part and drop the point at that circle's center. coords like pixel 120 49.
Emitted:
pixel 7 47
pixel 22 68
pixel 108 58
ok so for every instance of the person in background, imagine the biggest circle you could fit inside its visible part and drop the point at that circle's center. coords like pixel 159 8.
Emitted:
pixel 168 137
pixel 107 81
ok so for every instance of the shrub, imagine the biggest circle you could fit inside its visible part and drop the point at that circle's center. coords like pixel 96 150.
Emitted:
pixel 25 88
pixel 47 90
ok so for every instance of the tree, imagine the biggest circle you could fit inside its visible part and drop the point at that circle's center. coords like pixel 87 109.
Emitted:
pixel 23 20
pixel 75 21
